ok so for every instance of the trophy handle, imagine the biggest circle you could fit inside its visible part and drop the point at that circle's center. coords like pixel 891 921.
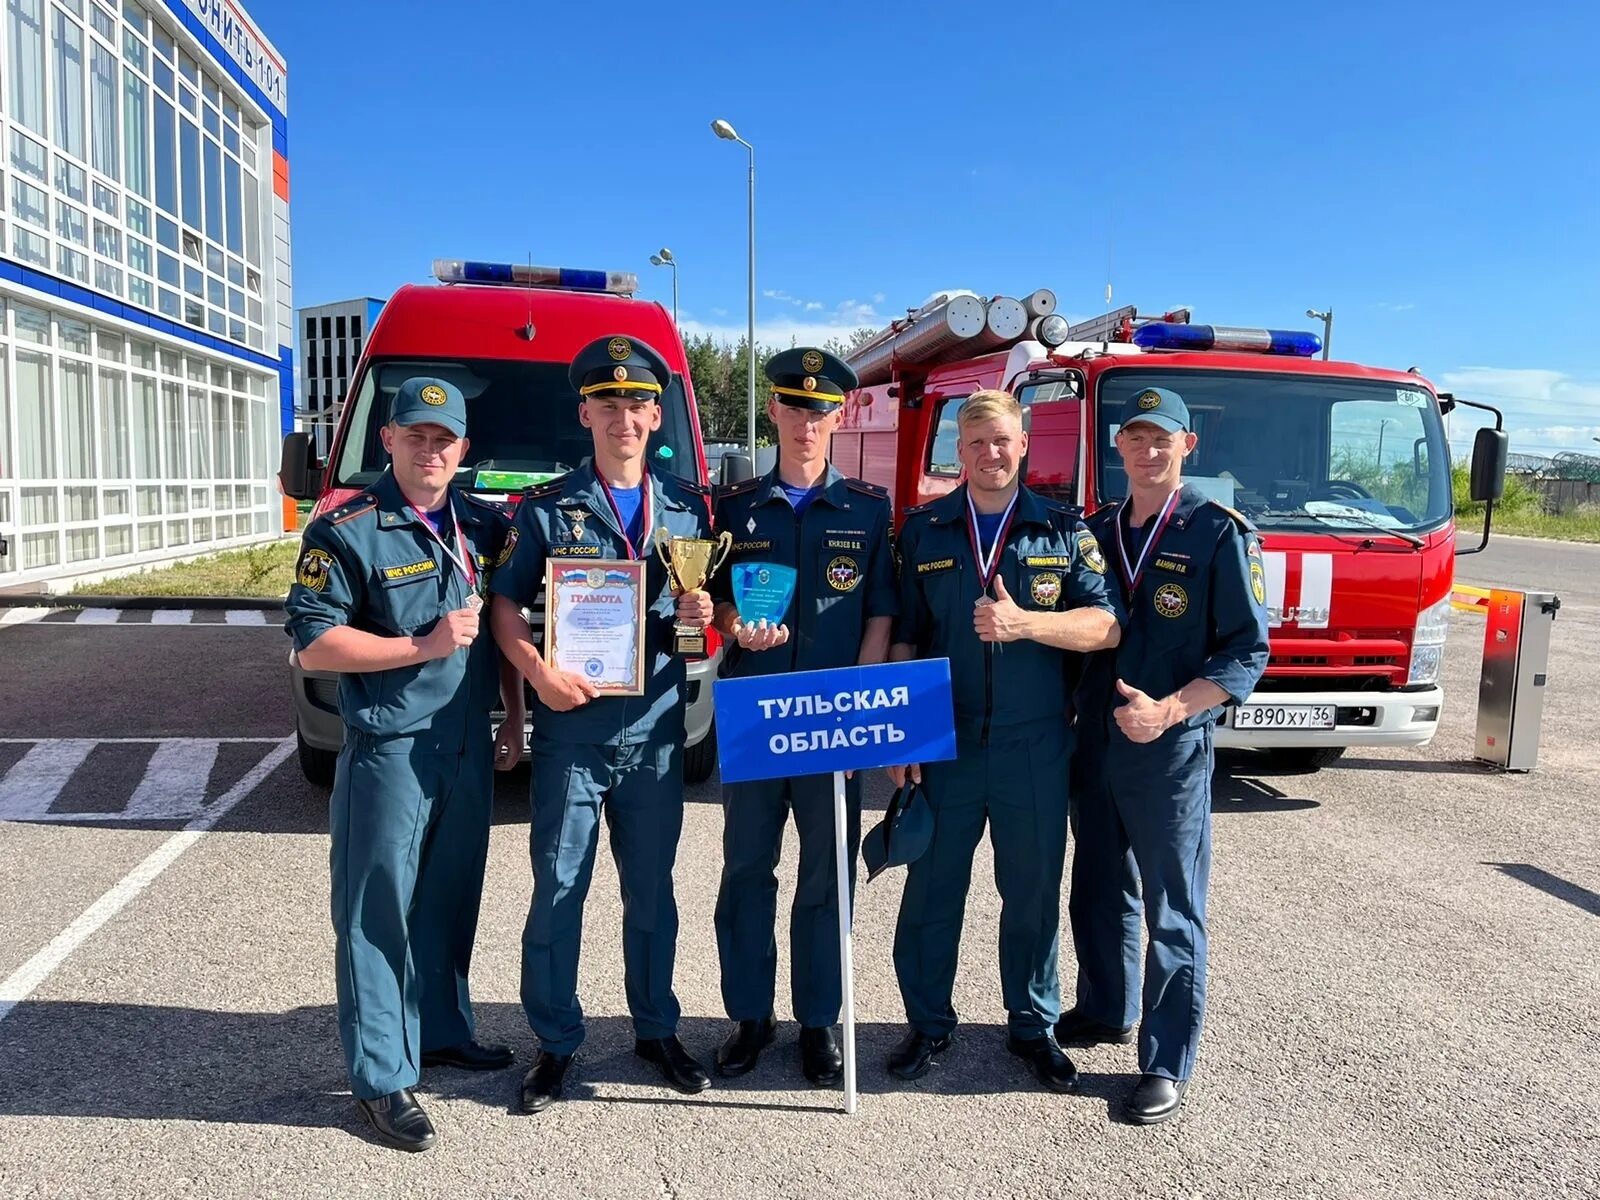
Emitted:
pixel 663 542
pixel 720 555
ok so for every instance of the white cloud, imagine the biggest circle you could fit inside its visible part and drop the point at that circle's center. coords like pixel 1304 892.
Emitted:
pixel 839 322
pixel 1545 411
pixel 1387 306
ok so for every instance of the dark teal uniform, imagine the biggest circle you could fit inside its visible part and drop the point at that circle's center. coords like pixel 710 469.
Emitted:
pixel 410 812
pixel 1013 740
pixel 1142 812
pixel 839 545
pixel 616 754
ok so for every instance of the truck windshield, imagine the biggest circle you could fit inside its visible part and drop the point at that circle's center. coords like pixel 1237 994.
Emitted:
pixel 522 422
pixel 1297 451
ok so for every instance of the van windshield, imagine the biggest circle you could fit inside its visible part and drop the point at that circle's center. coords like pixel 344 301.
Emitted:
pixel 522 422
pixel 1298 451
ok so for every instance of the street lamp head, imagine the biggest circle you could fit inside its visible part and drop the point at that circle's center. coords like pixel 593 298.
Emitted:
pixel 657 261
pixel 664 255
pixel 1313 313
pixel 724 131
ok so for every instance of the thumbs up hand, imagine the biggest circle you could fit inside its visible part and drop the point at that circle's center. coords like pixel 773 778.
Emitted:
pixel 999 619
pixel 1141 718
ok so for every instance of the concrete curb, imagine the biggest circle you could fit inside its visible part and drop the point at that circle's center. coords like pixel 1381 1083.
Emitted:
pixel 67 600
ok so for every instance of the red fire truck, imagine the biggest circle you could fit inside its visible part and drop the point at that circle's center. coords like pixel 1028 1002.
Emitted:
pixel 1344 469
pixel 504 335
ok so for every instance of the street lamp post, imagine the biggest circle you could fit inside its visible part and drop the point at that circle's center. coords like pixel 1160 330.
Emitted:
pixel 726 132
pixel 1327 328
pixel 663 258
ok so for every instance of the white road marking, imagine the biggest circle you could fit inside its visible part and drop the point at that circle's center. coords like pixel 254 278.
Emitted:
pixel 34 781
pixel 245 616
pixel 174 783
pixel 22 982
pixel 99 616
pixel 23 616
pixel 172 616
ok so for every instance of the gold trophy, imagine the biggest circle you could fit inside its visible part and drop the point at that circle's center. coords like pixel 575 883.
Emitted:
pixel 690 562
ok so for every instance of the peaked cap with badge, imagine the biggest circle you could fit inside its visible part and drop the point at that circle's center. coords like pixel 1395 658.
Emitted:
pixel 618 365
pixel 806 377
pixel 423 400
pixel 1158 406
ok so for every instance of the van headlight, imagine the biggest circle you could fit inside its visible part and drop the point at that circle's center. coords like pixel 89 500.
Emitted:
pixel 1427 646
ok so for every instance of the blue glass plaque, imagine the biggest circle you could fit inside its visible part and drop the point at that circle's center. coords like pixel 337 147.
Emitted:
pixel 762 591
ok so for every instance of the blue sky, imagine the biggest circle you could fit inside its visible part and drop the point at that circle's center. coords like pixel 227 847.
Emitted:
pixel 1430 170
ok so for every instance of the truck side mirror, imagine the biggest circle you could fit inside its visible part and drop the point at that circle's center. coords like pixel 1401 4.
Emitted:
pixel 736 468
pixel 299 469
pixel 1488 479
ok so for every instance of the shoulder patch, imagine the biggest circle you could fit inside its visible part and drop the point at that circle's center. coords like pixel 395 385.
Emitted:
pixel 738 489
pixel 1237 517
pixel 361 504
pixel 867 489
pixel 918 508
pixel 540 490
pixel 495 506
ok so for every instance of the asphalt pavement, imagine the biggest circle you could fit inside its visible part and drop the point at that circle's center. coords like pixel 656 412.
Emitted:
pixel 1403 1000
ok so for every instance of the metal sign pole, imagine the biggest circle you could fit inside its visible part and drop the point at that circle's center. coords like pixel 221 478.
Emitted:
pixel 841 858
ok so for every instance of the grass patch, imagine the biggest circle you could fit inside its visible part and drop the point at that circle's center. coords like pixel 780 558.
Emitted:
pixel 1580 526
pixel 265 570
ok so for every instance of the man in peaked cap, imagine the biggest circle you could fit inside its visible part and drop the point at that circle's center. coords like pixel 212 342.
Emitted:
pixel 834 532
pixel 594 756
pixel 387 593
pixel 1196 639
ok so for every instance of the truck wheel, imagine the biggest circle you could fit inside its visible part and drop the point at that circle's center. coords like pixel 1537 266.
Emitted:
pixel 1305 758
pixel 700 759
pixel 316 765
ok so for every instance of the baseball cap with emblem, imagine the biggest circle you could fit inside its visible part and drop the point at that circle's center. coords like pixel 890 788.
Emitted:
pixel 1158 406
pixel 618 365
pixel 806 377
pixel 422 400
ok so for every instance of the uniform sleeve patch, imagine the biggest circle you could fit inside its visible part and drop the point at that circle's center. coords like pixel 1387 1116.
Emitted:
pixel 509 548
pixel 1258 582
pixel 1089 548
pixel 936 564
pixel 313 569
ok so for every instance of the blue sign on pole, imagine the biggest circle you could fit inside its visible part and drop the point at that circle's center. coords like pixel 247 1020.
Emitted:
pixel 846 719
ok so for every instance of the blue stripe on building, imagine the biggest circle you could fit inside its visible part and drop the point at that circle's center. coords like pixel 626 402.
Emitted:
pixel 50 285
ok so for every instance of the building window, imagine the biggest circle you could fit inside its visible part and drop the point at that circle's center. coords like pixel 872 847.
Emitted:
pixel 172 432
pixel 71 181
pixel 29 204
pixel 146 431
pixel 166 158
pixel 136 142
pixel 30 247
pixel 213 182
pixel 25 52
pixel 36 418
pixel 72 224
pixel 103 111
pixel 189 163
pixel 74 264
pixel 235 223
pixel 69 84
pixel 114 425
pixel 77 422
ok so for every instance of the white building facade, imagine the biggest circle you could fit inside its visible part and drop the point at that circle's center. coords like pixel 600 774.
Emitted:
pixel 146 369
pixel 331 338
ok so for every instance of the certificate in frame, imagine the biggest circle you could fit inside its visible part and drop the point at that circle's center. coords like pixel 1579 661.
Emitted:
pixel 594 621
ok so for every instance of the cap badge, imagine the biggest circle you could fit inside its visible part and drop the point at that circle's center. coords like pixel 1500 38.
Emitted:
pixel 619 348
pixel 809 383
pixel 433 394
pixel 619 373
pixel 811 362
pixel 1149 400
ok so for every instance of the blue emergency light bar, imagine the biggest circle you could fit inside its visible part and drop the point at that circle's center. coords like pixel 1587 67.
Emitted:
pixel 1169 335
pixel 461 270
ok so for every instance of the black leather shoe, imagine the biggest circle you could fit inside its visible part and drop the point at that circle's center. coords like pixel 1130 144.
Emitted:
pixel 541 1086
pixel 678 1067
pixel 1075 1029
pixel 398 1121
pixel 1155 1099
pixel 915 1054
pixel 470 1056
pixel 820 1059
pixel 742 1048
pixel 1050 1064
